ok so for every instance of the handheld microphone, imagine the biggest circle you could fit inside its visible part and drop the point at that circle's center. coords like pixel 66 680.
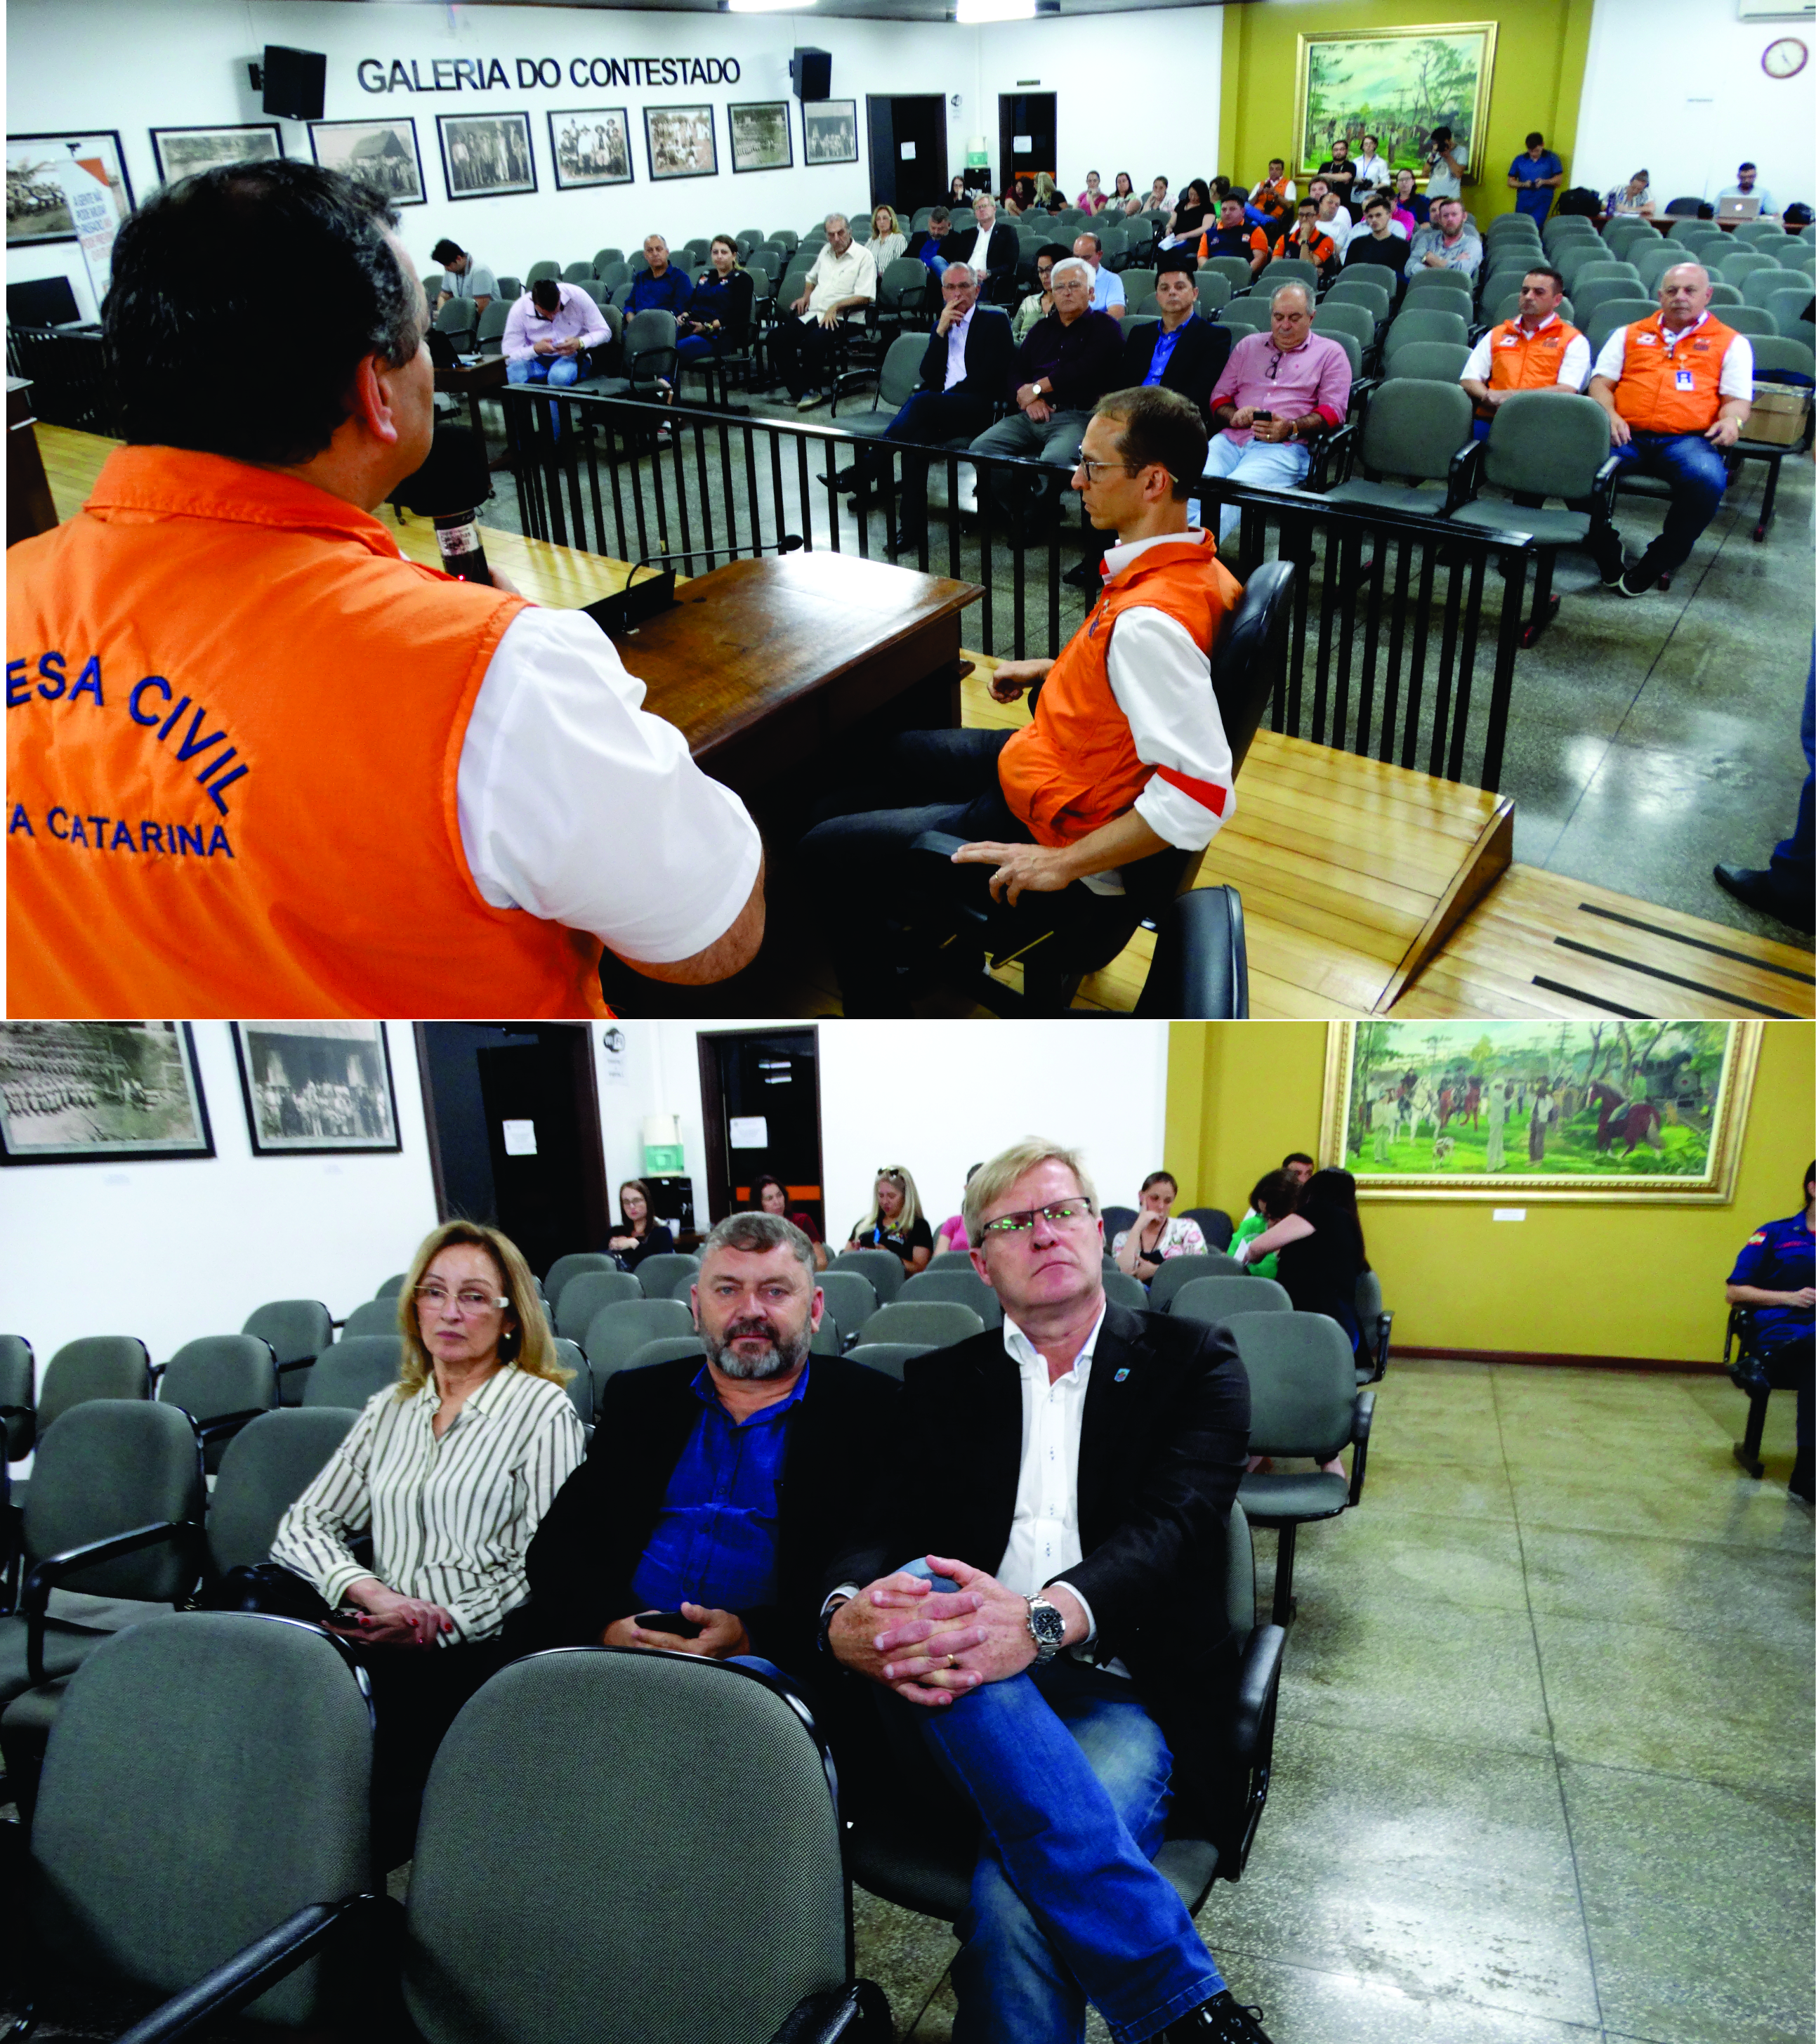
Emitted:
pixel 628 608
pixel 448 488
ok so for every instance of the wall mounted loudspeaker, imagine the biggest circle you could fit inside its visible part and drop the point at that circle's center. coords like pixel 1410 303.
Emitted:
pixel 812 71
pixel 296 82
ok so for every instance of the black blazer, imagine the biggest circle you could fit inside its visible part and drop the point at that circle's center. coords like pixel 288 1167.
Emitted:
pixel 1162 1447
pixel 989 351
pixel 591 1539
pixel 1000 257
pixel 1197 362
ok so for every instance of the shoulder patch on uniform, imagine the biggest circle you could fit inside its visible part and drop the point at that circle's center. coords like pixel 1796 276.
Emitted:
pixel 1752 1238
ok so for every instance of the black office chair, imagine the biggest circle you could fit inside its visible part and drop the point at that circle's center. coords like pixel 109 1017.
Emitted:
pixel 1058 938
pixel 1747 1370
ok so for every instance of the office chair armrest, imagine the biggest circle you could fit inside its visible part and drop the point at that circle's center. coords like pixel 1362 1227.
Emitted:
pixel 1601 490
pixel 225 1424
pixel 1383 1338
pixel 34 1599
pixel 1365 1421
pixel 257 1967
pixel 1465 476
pixel 1257 1685
pixel 857 2012
pixel 303 1361
pixel 1325 450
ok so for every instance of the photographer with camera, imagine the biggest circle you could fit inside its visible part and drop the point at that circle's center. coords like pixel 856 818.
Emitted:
pixel 1445 162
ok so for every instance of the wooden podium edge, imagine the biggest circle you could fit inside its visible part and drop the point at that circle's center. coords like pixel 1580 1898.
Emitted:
pixel 1487 858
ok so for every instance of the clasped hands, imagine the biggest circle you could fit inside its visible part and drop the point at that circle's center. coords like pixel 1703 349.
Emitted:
pixel 386 1618
pixel 931 1646
pixel 721 1634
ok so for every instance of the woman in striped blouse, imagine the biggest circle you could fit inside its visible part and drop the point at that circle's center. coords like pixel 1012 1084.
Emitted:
pixel 450 1472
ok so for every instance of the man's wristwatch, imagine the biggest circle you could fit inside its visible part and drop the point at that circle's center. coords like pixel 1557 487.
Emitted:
pixel 1047 1626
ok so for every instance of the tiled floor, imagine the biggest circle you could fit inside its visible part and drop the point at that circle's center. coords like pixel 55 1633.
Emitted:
pixel 1544 1767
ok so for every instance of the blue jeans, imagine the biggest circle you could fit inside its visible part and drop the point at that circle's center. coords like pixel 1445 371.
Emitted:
pixel 557 371
pixel 1072 1779
pixel 1268 465
pixel 1698 476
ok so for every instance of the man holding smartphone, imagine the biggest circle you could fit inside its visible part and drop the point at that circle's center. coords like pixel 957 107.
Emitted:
pixel 715 1495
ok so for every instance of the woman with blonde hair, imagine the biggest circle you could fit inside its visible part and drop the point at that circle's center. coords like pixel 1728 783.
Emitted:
pixel 1047 195
pixel 895 1221
pixel 887 240
pixel 449 1471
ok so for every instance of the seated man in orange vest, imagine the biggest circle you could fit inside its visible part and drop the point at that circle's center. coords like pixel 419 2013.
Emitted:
pixel 1126 754
pixel 257 762
pixel 1677 389
pixel 1538 351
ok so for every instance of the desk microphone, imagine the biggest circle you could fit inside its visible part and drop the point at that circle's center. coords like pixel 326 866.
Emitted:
pixel 447 488
pixel 626 610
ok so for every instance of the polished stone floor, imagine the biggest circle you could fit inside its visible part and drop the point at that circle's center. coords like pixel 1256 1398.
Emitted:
pixel 1543 1771
pixel 1647 739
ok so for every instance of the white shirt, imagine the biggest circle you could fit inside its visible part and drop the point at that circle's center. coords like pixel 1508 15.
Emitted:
pixel 1572 371
pixel 1161 677
pixel 1736 376
pixel 1043 1536
pixel 1443 182
pixel 577 804
pixel 851 275
pixel 1339 227
pixel 1373 171
pixel 955 336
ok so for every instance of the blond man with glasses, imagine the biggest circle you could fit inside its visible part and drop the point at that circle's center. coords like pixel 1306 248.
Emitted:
pixel 1061 1647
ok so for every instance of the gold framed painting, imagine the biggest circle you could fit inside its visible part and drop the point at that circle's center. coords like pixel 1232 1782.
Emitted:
pixel 1397 85
pixel 1540 1112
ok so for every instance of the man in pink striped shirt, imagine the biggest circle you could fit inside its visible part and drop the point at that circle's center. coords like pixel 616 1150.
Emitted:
pixel 550 328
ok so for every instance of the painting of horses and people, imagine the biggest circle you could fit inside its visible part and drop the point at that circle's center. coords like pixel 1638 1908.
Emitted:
pixel 1562 1109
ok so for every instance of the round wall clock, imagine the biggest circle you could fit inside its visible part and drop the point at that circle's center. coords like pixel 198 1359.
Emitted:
pixel 1784 58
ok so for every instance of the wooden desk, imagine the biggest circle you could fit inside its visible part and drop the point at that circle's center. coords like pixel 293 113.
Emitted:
pixel 472 383
pixel 766 663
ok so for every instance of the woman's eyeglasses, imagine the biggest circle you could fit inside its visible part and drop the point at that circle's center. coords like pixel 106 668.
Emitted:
pixel 469 1300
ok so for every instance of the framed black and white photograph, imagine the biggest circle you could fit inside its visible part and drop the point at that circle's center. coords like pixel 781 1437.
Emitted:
pixel 183 152
pixel 322 1087
pixel 380 153
pixel 486 156
pixel 37 206
pixel 829 131
pixel 682 142
pixel 590 145
pixel 761 137
pixel 100 1092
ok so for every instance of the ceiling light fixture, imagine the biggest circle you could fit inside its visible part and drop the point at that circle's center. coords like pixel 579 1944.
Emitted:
pixel 973 12
pixel 763 6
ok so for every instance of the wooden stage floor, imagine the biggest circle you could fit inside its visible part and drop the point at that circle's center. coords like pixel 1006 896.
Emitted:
pixel 1367 889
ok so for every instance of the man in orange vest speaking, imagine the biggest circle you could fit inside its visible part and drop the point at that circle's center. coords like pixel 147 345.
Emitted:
pixel 1537 351
pixel 1677 389
pixel 1126 754
pixel 260 764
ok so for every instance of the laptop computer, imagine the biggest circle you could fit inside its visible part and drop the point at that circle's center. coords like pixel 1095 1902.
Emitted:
pixel 1737 209
pixel 42 302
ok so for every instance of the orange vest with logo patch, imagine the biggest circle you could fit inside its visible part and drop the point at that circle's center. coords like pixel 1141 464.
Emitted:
pixel 234 721
pixel 1074 768
pixel 1677 391
pixel 1521 361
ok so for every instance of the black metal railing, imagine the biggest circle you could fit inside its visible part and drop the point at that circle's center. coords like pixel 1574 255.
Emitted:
pixel 1392 611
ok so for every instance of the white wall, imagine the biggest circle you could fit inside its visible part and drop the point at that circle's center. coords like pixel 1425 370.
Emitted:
pixel 171 1250
pixel 1675 86
pixel 935 1096
pixel 126 65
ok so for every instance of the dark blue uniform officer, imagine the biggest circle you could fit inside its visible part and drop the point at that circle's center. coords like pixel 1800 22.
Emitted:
pixel 1774 1277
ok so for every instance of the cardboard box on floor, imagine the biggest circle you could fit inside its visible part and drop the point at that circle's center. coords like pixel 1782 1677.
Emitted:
pixel 1778 415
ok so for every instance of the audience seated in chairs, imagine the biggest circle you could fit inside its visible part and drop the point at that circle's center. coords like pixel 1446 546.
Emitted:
pixel 551 330
pixel 1068 361
pixel 1068 1766
pixel 1275 1195
pixel 1157 1233
pixel 1233 235
pixel 451 1472
pixel 769 1195
pixel 1106 292
pixel 718 314
pixel 1307 241
pixel 931 245
pixel 1677 389
pixel 661 288
pixel 1272 200
pixel 1774 1278
pixel 1278 392
pixel 1038 304
pixel 1125 756
pixel 1538 350
pixel 462 276
pixel 887 239
pixel 1445 242
pixel 638 1234
pixel 895 1222
pixel 842 283
pixel 1632 201
pixel 992 249
pixel 1377 245
pixel 952 1235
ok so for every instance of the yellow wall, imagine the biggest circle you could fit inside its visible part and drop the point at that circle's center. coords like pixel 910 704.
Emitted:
pixel 1540 48
pixel 1616 1281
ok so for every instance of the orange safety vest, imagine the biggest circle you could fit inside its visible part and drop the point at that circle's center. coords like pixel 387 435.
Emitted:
pixel 1520 361
pixel 1677 391
pixel 234 721
pixel 1074 768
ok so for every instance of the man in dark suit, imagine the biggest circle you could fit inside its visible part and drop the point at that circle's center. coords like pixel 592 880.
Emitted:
pixel 963 372
pixel 1069 1479
pixel 993 248
pixel 718 1493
